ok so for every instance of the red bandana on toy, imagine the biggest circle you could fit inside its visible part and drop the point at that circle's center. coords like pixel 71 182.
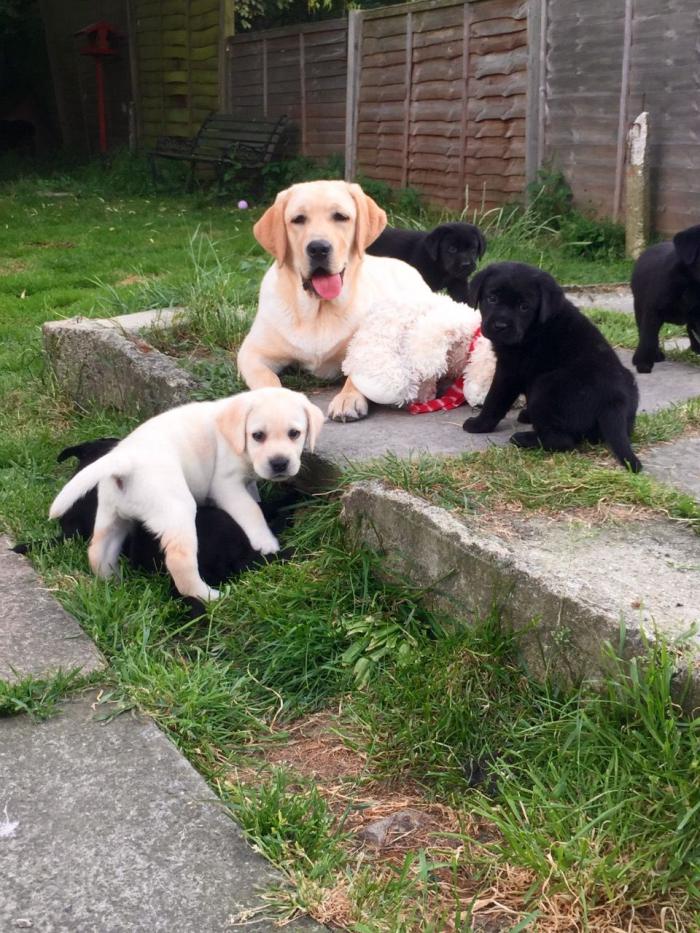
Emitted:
pixel 453 397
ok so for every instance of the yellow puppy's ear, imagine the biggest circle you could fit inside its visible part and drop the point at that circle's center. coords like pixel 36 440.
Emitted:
pixel 371 219
pixel 232 421
pixel 315 419
pixel 270 231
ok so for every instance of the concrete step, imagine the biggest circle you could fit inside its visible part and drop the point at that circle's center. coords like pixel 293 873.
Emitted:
pixel 677 464
pixel 578 582
pixel 37 636
pixel 104 826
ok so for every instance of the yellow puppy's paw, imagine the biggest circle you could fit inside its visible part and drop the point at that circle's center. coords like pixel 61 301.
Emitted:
pixel 348 406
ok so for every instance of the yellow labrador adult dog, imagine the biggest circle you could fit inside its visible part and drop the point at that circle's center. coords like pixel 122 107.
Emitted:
pixel 314 296
pixel 175 461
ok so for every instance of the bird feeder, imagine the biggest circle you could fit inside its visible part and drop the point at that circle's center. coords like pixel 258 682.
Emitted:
pixel 100 36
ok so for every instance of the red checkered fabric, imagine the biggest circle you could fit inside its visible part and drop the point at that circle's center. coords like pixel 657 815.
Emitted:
pixel 453 397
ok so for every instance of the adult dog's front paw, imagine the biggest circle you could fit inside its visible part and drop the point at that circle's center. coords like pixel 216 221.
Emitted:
pixel 348 406
pixel 478 425
pixel 265 542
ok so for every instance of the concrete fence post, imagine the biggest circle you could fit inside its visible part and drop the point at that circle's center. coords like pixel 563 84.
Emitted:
pixel 637 187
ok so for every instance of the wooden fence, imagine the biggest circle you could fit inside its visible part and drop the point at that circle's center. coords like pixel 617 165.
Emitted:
pixel 300 71
pixel 465 99
pixel 607 60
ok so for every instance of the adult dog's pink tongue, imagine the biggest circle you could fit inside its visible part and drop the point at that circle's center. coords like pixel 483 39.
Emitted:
pixel 327 286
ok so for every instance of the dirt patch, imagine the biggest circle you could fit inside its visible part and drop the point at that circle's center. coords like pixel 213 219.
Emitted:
pixel 12 266
pixel 316 750
pixel 133 280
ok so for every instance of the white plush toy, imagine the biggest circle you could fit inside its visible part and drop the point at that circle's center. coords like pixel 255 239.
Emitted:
pixel 404 347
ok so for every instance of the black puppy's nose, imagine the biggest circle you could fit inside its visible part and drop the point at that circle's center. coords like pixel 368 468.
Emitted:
pixel 500 325
pixel 318 249
pixel 279 465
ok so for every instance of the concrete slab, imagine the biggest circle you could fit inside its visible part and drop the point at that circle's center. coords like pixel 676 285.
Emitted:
pixel 608 297
pixel 390 430
pixel 112 830
pixel 677 464
pixel 37 636
pixel 577 582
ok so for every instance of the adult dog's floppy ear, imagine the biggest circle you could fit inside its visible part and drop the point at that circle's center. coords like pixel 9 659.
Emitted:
pixel 314 422
pixel 232 421
pixel 551 296
pixel 687 244
pixel 432 243
pixel 271 231
pixel 371 219
pixel 476 288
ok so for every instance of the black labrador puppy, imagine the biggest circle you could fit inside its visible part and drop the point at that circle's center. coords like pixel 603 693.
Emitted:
pixel 576 387
pixel 445 257
pixel 223 548
pixel 666 289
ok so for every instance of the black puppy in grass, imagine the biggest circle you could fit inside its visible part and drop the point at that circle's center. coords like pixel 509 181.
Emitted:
pixel 223 548
pixel 575 386
pixel 445 257
pixel 666 289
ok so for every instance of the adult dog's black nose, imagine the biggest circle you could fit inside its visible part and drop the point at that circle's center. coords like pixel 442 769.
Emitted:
pixel 279 465
pixel 318 249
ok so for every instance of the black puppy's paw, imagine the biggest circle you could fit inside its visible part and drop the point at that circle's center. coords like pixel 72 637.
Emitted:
pixel 524 417
pixel 642 365
pixel 478 425
pixel 660 356
pixel 525 439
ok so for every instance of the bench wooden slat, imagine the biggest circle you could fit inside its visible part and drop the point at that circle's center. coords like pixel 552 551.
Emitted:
pixel 225 141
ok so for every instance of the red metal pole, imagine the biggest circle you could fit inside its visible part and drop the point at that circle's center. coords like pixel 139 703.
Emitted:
pixel 99 77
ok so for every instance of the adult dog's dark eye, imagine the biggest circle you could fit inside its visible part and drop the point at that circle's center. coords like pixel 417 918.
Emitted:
pixel 341 218
pixel 258 436
pixel 492 299
pixel 299 219
pixel 293 434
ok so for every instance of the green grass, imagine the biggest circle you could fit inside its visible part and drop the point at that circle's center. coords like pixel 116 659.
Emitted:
pixel 37 697
pixel 596 795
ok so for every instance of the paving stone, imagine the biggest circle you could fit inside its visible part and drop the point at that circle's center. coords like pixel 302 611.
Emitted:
pixel 108 828
pixel 677 463
pixel 37 636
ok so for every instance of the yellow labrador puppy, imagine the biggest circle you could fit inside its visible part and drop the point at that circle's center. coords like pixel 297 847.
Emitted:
pixel 175 461
pixel 314 296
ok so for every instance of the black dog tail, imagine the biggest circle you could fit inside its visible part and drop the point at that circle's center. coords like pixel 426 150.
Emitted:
pixel 613 425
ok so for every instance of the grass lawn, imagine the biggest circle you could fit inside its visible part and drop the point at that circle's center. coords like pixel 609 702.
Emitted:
pixel 317 698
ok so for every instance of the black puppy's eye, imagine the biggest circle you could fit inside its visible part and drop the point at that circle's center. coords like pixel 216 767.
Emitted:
pixel 451 249
pixel 299 219
pixel 341 218
pixel 258 436
pixel 524 306
pixel 293 434
pixel 492 299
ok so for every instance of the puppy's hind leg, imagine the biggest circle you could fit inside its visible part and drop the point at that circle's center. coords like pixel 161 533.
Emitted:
pixel 107 540
pixel 614 429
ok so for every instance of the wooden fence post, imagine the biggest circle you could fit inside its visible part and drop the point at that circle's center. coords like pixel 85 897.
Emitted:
pixel 536 87
pixel 466 28
pixel 622 111
pixel 352 91
pixel 407 98
pixel 264 76
pixel 637 187
pixel 302 80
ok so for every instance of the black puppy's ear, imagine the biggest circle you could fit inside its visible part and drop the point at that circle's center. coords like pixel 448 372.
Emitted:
pixel 432 243
pixel 481 240
pixel 687 244
pixel 551 297
pixel 476 287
